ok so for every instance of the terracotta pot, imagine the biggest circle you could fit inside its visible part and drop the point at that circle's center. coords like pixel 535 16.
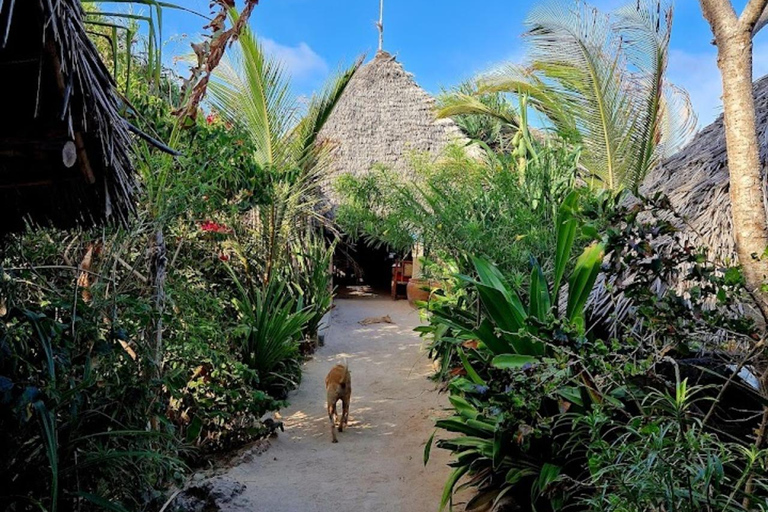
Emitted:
pixel 419 290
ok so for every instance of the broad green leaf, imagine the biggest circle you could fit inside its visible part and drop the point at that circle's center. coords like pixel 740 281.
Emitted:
pixel 566 227
pixel 538 295
pixel 463 407
pixel 471 373
pixel 513 361
pixel 454 477
pixel 461 425
pixel 583 279
pixel 428 447
pixel 508 316
pixel 495 344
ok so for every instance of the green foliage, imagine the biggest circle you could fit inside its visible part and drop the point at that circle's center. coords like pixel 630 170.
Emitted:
pixel 600 81
pixel 549 416
pixel 490 119
pixel 73 407
pixel 271 323
pixel 458 205
pixel 513 341
pixel 664 457
pixel 95 416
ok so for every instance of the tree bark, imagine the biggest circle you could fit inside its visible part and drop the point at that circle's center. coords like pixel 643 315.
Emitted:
pixel 733 37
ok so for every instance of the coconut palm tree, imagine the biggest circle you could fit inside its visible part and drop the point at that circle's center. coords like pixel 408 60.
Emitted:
pixel 599 81
pixel 251 89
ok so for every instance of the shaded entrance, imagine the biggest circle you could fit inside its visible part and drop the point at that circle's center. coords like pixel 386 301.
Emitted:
pixel 357 264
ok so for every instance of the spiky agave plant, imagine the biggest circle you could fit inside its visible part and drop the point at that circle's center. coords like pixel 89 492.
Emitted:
pixel 600 81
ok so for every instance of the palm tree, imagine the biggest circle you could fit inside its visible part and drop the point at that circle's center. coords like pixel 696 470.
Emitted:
pixel 600 82
pixel 251 89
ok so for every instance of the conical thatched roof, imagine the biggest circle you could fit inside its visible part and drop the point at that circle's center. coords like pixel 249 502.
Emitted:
pixel 384 117
pixel 696 182
pixel 64 147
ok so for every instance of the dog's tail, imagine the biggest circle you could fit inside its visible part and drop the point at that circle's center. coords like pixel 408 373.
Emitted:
pixel 347 376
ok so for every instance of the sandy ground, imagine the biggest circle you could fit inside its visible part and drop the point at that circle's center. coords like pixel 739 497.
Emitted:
pixel 377 463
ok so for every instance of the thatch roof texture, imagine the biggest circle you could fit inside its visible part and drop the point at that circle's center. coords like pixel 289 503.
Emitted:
pixel 696 182
pixel 64 147
pixel 383 118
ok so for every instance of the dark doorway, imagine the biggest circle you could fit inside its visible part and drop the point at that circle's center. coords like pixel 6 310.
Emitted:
pixel 358 264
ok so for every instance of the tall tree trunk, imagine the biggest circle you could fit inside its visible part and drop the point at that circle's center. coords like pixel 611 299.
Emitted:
pixel 746 184
pixel 733 37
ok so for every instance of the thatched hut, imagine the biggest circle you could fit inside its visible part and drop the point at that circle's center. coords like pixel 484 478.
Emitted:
pixel 696 182
pixel 64 147
pixel 383 118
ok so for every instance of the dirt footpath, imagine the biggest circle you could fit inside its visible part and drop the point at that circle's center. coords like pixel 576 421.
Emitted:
pixel 377 464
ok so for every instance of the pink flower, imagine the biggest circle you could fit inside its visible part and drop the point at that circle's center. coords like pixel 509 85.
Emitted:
pixel 212 227
pixel 224 257
pixel 211 118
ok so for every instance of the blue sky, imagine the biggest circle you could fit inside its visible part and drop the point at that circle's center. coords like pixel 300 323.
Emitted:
pixel 443 42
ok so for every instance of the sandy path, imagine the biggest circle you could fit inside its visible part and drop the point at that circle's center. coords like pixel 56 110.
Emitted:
pixel 377 464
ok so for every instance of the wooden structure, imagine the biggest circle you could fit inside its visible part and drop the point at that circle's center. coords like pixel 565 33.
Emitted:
pixel 402 272
pixel 65 156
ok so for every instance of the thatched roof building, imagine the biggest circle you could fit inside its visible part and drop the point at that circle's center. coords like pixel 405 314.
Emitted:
pixel 384 117
pixel 64 147
pixel 696 182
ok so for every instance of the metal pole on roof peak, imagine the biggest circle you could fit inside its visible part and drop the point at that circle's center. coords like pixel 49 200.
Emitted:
pixel 380 25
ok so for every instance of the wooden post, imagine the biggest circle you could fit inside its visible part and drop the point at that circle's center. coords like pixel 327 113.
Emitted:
pixel 380 25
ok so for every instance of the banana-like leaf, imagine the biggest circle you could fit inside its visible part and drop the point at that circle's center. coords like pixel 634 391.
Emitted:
pixel 566 225
pixel 583 280
pixel 540 303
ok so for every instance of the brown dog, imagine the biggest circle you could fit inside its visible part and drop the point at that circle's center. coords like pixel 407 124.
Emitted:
pixel 338 386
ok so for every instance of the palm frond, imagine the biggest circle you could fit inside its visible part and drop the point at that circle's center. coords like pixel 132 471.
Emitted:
pixel 308 151
pixel 252 89
pixel 600 81
pixel 523 80
pixel 574 48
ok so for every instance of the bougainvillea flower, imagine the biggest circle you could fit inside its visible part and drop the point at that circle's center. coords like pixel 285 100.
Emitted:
pixel 213 227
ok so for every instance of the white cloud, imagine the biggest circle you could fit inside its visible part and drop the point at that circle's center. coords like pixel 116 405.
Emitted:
pixel 699 75
pixel 300 61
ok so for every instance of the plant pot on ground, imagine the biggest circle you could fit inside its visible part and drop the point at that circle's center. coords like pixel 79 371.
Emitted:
pixel 419 289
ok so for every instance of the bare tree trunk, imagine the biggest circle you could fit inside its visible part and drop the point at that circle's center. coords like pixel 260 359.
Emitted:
pixel 733 37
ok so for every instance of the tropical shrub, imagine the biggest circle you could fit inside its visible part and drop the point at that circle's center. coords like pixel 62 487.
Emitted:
pixel 549 416
pixel 500 207
pixel 520 367
pixel 270 328
pixel 75 404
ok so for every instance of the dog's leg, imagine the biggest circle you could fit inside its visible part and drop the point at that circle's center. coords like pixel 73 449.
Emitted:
pixel 344 413
pixel 331 414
